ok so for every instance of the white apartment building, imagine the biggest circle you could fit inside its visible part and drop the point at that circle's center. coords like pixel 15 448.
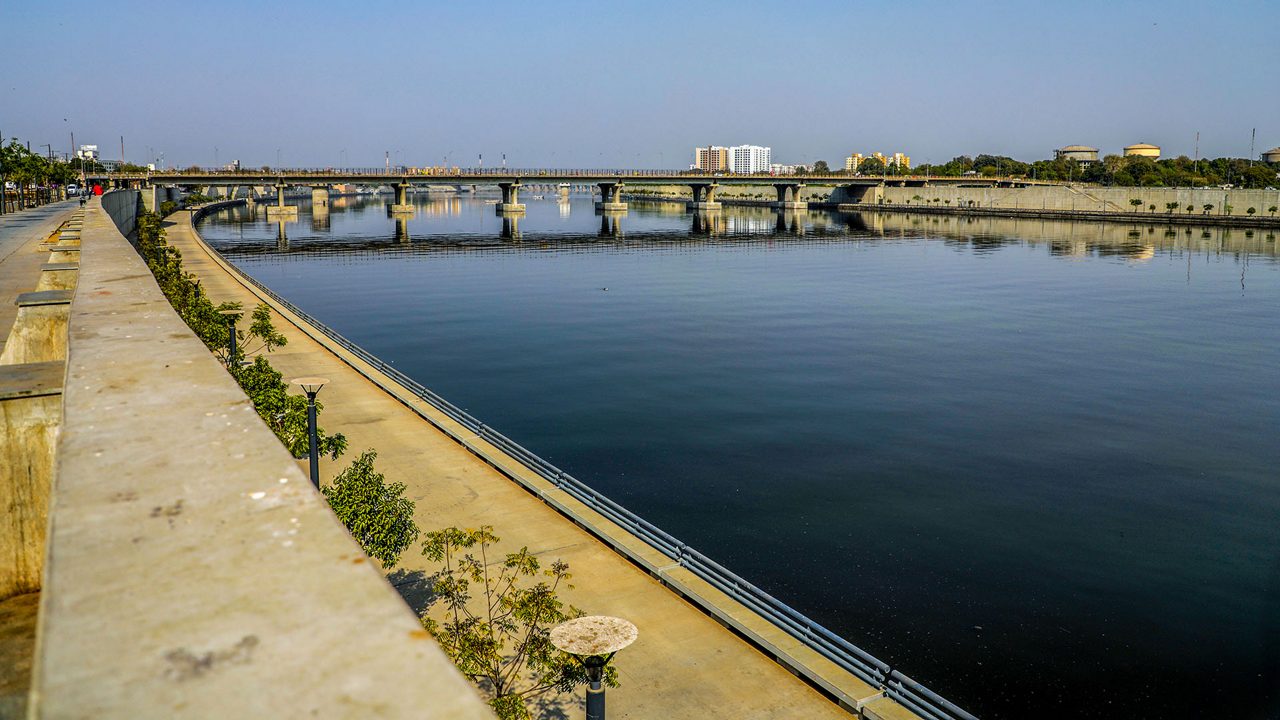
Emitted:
pixel 749 159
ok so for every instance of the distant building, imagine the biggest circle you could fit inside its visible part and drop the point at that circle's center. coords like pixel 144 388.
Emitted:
pixel 898 159
pixel 1082 154
pixel 779 169
pixel 1142 150
pixel 711 159
pixel 88 152
pixel 1272 155
pixel 110 165
pixel 744 159
pixel 233 166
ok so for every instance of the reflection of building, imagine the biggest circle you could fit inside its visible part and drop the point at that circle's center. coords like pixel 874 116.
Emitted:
pixel 711 159
pixel 745 159
pixel 1142 150
pixel 1080 153
pixel 1272 155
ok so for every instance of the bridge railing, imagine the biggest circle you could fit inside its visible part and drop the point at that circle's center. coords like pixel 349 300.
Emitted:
pixel 826 643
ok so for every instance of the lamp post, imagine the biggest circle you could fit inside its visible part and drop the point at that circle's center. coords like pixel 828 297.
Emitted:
pixel 231 316
pixel 594 640
pixel 311 386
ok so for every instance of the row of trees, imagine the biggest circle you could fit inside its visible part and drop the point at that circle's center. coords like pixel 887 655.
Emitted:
pixel 35 176
pixel 1132 171
pixel 497 617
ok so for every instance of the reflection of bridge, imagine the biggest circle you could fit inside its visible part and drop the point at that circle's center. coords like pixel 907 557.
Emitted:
pixel 857 188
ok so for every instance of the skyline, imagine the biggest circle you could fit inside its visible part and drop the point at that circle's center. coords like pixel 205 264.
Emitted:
pixel 558 85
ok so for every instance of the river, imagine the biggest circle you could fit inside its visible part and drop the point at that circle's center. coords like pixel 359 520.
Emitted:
pixel 1031 463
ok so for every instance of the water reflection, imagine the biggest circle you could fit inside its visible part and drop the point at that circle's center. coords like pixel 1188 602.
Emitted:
pixel 440 222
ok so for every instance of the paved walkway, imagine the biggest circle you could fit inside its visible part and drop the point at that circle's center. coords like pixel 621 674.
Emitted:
pixel 20 255
pixel 684 665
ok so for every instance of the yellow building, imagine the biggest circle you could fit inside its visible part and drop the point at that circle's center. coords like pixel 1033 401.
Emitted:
pixel 711 159
pixel 1142 150
pixel 852 162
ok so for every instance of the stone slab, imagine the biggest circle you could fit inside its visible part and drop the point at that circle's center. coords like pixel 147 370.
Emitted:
pixel 31 379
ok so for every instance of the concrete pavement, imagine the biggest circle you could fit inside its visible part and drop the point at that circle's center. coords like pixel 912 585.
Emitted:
pixel 20 255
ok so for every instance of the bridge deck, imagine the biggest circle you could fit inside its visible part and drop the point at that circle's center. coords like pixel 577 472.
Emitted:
pixel 685 664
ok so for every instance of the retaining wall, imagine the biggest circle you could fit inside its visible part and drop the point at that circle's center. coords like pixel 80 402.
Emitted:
pixel 192 569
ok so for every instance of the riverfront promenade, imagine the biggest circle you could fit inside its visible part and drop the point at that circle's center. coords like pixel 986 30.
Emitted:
pixel 684 665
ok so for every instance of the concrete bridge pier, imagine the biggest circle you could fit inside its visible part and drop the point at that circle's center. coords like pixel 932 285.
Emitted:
pixel 280 209
pixel 402 204
pixel 510 198
pixel 611 197
pixel 793 202
pixel 704 196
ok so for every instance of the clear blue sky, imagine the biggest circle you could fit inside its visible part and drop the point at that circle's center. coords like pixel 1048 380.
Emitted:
pixel 593 84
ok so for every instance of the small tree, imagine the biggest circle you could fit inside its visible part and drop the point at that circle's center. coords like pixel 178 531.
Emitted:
pixel 1273 210
pixel 499 638
pixel 1135 202
pixel 1190 209
pixel 1251 211
pixel 1208 207
pixel 1171 206
pixel 1151 207
pixel 376 514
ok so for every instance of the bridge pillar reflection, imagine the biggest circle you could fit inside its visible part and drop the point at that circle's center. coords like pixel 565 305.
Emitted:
pixel 611 223
pixel 611 197
pixel 402 229
pixel 793 202
pixel 402 204
pixel 704 196
pixel 510 226
pixel 280 209
pixel 510 198
pixel 707 223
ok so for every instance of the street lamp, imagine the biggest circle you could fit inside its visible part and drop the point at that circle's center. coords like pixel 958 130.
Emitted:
pixel 593 641
pixel 311 386
pixel 231 317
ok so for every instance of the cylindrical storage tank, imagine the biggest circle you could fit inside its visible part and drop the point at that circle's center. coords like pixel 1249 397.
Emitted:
pixel 1143 150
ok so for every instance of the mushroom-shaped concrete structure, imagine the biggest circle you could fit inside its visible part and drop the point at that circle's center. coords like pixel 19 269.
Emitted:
pixel 593 640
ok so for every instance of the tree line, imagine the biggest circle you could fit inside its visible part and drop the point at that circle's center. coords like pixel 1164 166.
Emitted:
pixel 1125 171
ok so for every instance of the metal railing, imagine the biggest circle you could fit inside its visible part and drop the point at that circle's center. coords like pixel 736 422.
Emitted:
pixel 846 655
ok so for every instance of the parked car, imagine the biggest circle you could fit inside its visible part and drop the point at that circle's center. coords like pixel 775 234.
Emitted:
pixel 73 190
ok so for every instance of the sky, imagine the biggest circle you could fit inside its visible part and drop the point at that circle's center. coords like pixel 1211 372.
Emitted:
pixel 634 84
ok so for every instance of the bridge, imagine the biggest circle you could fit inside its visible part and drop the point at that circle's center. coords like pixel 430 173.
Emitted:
pixel 610 183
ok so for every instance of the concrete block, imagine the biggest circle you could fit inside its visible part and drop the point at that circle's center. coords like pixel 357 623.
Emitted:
pixel 612 206
pixel 510 208
pixel 401 208
pixel 281 211
pixel 30 414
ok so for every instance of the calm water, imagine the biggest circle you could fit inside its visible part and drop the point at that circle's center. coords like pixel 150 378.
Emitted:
pixel 1033 464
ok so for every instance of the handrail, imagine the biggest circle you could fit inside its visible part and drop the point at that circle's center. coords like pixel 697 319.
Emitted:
pixel 818 638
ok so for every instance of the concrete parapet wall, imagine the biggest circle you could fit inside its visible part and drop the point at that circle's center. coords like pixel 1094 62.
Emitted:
pixel 192 570
pixel 122 207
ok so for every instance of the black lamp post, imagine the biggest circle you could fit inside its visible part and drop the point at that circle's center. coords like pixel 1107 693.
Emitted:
pixel 231 316
pixel 594 640
pixel 311 386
